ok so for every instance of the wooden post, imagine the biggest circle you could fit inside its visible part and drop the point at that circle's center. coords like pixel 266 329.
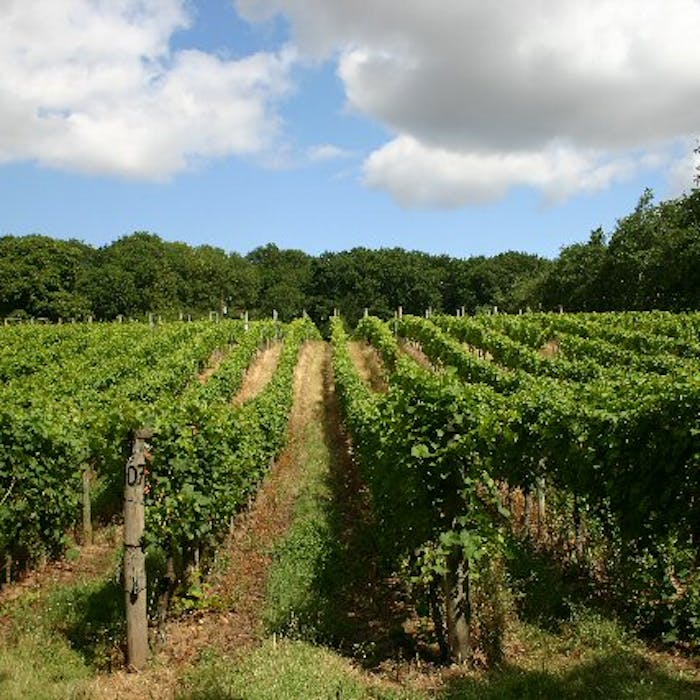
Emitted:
pixel 87 510
pixel 366 312
pixel 541 514
pixel 526 511
pixel 458 609
pixel 400 313
pixel 245 320
pixel 134 558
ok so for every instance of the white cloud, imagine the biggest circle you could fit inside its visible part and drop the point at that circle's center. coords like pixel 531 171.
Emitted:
pixel 327 151
pixel 419 175
pixel 92 86
pixel 685 170
pixel 563 95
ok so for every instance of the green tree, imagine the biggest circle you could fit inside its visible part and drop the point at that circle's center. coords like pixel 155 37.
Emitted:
pixel 39 276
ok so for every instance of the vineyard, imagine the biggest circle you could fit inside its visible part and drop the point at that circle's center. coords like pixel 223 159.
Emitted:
pixel 574 437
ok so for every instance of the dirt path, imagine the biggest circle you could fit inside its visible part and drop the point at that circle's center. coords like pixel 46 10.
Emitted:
pixel 369 365
pixel 414 350
pixel 84 562
pixel 260 372
pixel 238 582
pixel 213 364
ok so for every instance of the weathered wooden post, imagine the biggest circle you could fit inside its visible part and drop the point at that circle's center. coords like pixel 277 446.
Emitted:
pixel 134 557
pixel 87 509
pixel 245 320
pixel 458 608
pixel 541 513
pixel 366 312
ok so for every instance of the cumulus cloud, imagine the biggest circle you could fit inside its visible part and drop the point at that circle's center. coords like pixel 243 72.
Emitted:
pixel 561 95
pixel 326 152
pixel 92 86
pixel 418 175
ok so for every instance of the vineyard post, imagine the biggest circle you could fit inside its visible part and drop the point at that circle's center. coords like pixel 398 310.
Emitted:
pixel 245 320
pixel 463 314
pixel 541 513
pixel 87 510
pixel 366 312
pixel 457 608
pixel 134 557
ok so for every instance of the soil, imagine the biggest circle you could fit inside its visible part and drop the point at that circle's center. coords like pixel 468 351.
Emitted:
pixel 217 357
pixel 414 350
pixel 260 372
pixel 83 563
pixel 369 365
pixel 550 349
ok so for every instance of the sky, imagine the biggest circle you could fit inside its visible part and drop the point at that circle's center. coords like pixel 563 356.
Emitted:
pixel 450 126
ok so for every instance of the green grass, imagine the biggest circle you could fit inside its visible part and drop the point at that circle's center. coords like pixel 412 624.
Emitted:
pixel 42 667
pixel 53 642
pixel 286 669
pixel 296 601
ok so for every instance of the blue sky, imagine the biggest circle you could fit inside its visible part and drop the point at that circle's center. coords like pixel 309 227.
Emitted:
pixel 317 127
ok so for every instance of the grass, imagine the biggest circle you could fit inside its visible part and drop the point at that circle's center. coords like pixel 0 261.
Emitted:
pixel 589 657
pixel 286 669
pixel 53 641
pixel 296 593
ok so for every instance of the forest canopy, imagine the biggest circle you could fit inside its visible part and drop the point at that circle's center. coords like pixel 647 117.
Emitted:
pixel 649 261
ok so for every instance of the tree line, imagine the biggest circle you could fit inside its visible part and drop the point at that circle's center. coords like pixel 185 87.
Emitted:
pixel 650 260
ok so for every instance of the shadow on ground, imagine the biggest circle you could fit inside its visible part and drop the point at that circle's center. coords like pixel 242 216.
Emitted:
pixel 620 674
